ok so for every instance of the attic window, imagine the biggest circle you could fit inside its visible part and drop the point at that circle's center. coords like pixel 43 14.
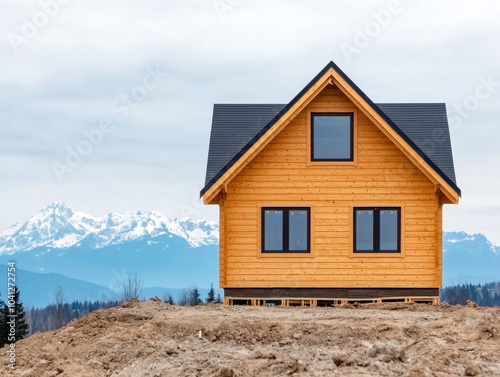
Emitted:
pixel 285 230
pixel 332 137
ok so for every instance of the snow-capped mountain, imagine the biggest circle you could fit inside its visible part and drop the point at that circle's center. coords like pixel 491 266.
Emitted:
pixel 469 258
pixel 59 227
pixel 474 243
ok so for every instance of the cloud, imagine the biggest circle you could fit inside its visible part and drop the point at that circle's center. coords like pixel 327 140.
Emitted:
pixel 65 80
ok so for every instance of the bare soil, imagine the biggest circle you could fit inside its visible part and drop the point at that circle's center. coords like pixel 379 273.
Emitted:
pixel 150 338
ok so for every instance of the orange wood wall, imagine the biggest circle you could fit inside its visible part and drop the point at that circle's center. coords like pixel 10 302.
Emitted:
pixel 280 176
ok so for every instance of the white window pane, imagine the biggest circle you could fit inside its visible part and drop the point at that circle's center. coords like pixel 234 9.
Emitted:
pixel 273 230
pixel 332 137
pixel 364 230
pixel 297 230
pixel 388 230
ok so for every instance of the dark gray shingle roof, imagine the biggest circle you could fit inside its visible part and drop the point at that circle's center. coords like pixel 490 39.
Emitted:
pixel 426 124
pixel 235 128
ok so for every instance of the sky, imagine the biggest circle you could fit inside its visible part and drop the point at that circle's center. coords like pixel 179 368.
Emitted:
pixel 106 104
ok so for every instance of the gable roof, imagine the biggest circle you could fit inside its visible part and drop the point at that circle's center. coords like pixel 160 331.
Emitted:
pixel 236 128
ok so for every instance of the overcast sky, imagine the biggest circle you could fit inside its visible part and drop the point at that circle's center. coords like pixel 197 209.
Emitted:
pixel 106 105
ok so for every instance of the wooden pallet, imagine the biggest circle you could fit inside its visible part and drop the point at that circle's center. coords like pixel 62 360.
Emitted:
pixel 301 302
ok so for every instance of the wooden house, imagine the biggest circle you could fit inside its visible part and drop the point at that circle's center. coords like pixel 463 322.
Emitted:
pixel 330 198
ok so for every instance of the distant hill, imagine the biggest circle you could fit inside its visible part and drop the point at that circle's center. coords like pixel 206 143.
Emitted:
pixel 37 289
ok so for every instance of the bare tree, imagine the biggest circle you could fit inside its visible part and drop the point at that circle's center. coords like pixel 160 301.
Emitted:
pixel 59 310
pixel 184 297
pixel 131 286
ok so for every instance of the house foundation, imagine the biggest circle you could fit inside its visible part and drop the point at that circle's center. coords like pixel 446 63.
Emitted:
pixel 327 296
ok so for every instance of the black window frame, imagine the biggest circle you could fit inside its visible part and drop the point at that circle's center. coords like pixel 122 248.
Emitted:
pixel 376 229
pixel 286 230
pixel 351 117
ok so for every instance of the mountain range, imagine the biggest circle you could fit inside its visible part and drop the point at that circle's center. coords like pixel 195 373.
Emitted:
pixel 165 253
pixel 97 253
pixel 59 227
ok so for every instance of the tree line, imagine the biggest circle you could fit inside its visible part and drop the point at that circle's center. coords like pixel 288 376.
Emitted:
pixel 482 294
pixel 61 312
pixel 191 296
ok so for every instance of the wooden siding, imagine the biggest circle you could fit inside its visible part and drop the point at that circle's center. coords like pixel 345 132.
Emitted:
pixel 283 175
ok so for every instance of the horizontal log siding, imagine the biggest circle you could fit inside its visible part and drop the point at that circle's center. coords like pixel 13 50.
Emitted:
pixel 279 176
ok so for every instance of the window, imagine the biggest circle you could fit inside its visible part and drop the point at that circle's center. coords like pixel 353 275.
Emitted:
pixel 377 230
pixel 332 137
pixel 285 230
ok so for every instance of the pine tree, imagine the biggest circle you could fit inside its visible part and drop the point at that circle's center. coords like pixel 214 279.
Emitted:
pixel 14 312
pixel 211 294
pixel 3 325
pixel 195 296
pixel 218 300
pixel 486 298
pixel 167 298
pixel 22 328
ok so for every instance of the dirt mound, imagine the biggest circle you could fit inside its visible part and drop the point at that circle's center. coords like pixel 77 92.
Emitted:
pixel 150 338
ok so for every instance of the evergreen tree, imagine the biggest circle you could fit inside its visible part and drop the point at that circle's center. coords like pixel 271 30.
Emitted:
pixel 211 294
pixel 167 298
pixel 3 325
pixel 170 299
pixel 195 296
pixel 481 294
pixel 22 328
pixel 14 312
pixel 485 295
pixel 218 300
